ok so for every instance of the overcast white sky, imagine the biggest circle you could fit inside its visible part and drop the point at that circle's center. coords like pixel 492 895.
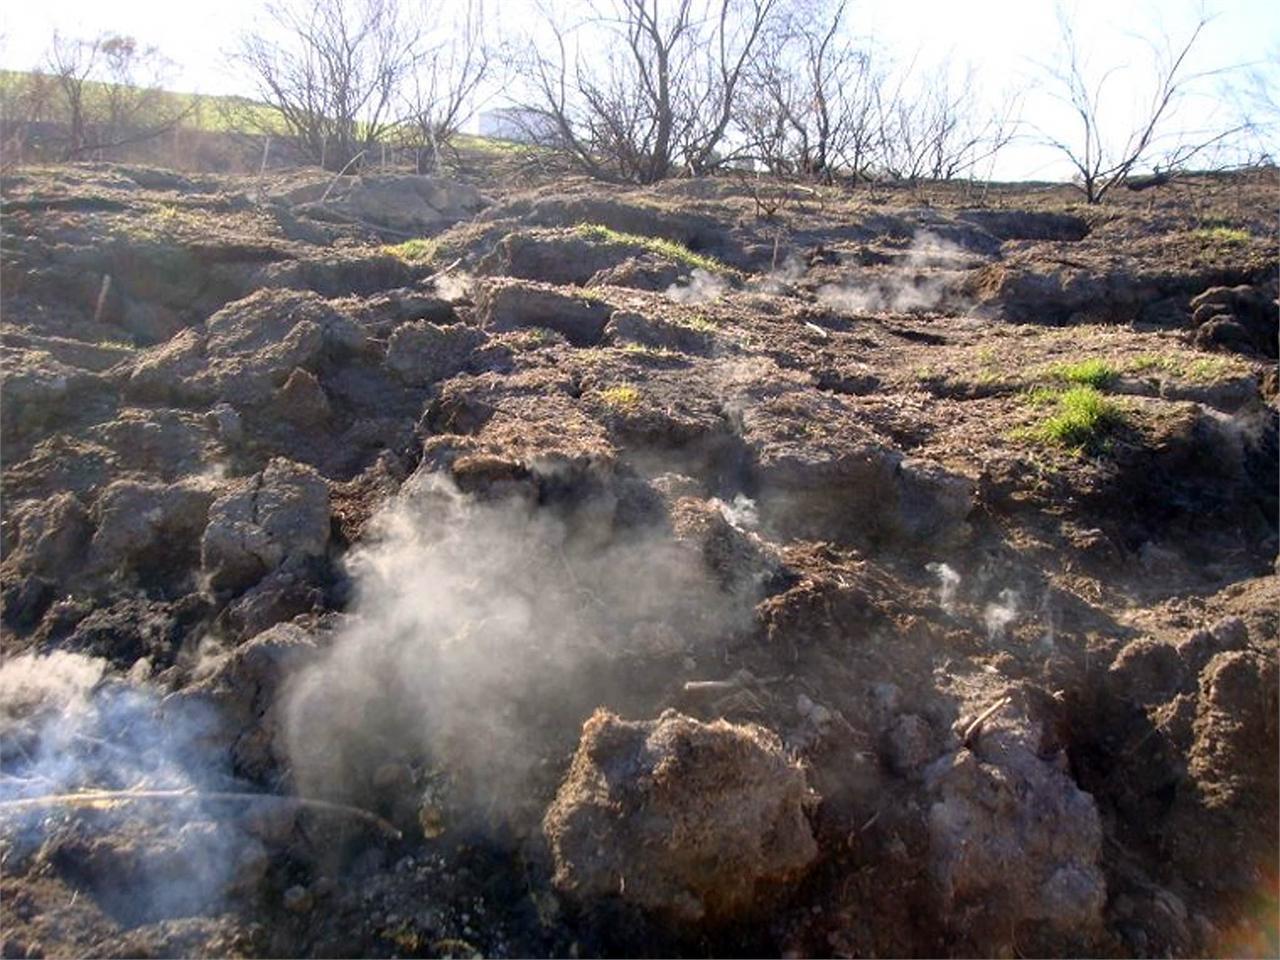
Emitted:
pixel 1002 38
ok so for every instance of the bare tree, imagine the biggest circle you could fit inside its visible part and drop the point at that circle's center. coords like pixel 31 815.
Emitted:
pixel 1101 160
pixel 817 103
pixel 654 92
pixel 808 97
pixel 441 94
pixel 1256 96
pixel 108 92
pixel 335 73
pixel 932 127
pixel 24 101
pixel 709 102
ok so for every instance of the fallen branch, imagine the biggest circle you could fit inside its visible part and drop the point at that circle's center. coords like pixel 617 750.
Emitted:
pixel 91 798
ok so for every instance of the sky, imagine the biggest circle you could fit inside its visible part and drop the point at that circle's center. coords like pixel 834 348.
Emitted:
pixel 1003 39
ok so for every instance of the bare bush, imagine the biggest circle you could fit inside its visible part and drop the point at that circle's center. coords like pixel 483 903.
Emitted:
pixel 334 74
pixel 107 92
pixel 655 94
pixel 807 104
pixel 441 94
pixel 817 103
pixel 24 100
pixel 931 126
pixel 1103 160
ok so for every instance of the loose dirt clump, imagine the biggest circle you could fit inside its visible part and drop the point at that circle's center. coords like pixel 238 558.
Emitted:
pixel 679 817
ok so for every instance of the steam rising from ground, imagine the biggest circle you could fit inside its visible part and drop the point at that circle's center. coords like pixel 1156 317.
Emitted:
pixel 924 279
pixel 64 728
pixel 999 614
pixel 454 285
pixel 741 513
pixel 702 286
pixel 484 631
pixel 779 280
pixel 948 584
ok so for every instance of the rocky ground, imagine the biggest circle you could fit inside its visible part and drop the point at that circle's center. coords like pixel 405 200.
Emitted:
pixel 712 568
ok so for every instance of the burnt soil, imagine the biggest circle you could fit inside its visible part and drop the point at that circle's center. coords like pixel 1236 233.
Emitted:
pixel 858 402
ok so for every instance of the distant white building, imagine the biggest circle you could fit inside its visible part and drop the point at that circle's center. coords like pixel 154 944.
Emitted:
pixel 515 123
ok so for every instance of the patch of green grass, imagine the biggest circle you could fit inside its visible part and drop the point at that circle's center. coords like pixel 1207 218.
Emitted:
pixel 676 252
pixel 1200 369
pixel 1089 373
pixel 1042 396
pixel 1081 420
pixel 640 350
pixel 420 250
pixel 696 321
pixel 1222 234
pixel 622 397
pixel 498 148
pixel 532 338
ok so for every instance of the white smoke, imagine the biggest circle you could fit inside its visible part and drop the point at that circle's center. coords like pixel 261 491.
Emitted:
pixel 701 287
pixel 1000 613
pixel 742 513
pixel 454 285
pixel 948 584
pixel 925 279
pixel 780 280
pixel 476 627
pixel 65 728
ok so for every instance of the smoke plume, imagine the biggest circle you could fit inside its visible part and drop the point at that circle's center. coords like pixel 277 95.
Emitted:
pixel 1000 613
pixel 948 584
pixel 701 287
pixel 484 633
pixel 65 727
pixel 926 278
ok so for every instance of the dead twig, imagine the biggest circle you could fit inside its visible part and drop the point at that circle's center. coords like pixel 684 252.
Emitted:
pixel 974 729
pixel 91 798
pixel 440 273
pixel 338 176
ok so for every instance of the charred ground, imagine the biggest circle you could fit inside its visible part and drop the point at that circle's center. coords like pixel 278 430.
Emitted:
pixel 376 490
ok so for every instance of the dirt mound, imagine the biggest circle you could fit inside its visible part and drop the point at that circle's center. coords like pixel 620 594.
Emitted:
pixel 697 816
pixel 407 205
pixel 939 539
pixel 1241 318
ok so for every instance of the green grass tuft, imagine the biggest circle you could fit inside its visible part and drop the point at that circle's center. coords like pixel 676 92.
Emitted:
pixel 419 250
pixel 696 321
pixel 677 252
pixel 1081 420
pixel 1199 369
pixel 621 397
pixel 1089 373
pixel 1222 235
pixel 641 350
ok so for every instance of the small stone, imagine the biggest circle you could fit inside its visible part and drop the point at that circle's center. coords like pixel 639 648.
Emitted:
pixel 804 706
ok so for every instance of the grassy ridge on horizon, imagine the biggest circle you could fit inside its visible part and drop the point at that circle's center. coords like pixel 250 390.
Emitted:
pixel 221 113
